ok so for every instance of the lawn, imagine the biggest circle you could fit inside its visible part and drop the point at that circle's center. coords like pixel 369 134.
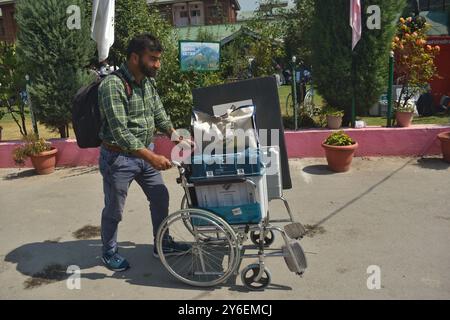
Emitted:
pixel 11 131
pixel 440 119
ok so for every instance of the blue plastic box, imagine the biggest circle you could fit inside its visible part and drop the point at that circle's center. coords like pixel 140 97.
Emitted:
pixel 240 164
pixel 240 214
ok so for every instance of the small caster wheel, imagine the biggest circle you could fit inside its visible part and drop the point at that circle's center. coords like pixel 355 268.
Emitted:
pixel 269 238
pixel 249 274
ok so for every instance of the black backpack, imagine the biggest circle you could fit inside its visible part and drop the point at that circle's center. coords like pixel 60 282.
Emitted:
pixel 86 118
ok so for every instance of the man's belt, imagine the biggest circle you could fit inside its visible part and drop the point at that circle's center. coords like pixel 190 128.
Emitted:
pixel 115 148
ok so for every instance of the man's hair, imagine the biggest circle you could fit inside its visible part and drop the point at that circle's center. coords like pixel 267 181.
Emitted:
pixel 142 42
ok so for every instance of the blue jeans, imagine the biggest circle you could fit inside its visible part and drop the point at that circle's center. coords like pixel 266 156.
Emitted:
pixel 118 171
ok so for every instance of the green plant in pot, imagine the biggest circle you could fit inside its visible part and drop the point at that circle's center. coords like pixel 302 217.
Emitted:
pixel 41 153
pixel 339 150
pixel 404 113
pixel 444 138
pixel 334 117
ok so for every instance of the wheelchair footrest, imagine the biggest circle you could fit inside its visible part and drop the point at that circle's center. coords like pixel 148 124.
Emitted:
pixel 296 262
pixel 295 230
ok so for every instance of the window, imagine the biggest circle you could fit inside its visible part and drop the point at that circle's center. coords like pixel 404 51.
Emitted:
pixel 195 13
pixel 183 14
pixel 2 28
pixel 215 11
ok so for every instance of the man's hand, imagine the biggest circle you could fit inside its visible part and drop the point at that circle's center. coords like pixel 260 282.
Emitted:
pixel 157 161
pixel 160 162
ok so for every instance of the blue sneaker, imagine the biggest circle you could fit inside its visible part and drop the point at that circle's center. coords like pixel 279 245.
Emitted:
pixel 172 248
pixel 115 262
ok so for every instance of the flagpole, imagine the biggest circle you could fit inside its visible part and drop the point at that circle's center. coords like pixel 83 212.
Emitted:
pixel 356 25
pixel 353 121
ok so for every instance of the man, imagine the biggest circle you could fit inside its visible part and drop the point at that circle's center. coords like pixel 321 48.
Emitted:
pixel 128 123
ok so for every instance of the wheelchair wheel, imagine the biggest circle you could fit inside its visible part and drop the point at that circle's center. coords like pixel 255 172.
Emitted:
pixel 269 237
pixel 249 274
pixel 184 202
pixel 203 263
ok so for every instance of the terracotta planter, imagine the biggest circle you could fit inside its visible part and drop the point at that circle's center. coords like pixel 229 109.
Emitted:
pixel 339 158
pixel 445 145
pixel 404 119
pixel 44 162
pixel 334 122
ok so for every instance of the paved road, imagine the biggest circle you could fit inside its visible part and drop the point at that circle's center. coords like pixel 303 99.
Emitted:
pixel 393 213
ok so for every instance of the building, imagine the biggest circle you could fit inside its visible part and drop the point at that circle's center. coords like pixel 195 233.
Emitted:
pixel 182 13
pixel 8 26
pixel 439 35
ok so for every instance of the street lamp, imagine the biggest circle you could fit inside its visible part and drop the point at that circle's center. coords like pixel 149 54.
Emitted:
pixel 390 86
pixel 294 93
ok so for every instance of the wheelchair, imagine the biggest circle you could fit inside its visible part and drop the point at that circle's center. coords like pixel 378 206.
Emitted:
pixel 218 235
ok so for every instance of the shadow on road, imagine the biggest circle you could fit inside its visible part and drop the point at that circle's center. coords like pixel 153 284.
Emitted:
pixel 319 170
pixel 20 174
pixel 433 163
pixel 46 262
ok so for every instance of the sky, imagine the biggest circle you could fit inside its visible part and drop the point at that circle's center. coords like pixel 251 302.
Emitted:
pixel 249 5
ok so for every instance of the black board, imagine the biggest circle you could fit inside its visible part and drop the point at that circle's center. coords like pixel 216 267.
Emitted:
pixel 264 93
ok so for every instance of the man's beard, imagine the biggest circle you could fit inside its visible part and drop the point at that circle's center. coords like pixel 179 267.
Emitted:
pixel 147 71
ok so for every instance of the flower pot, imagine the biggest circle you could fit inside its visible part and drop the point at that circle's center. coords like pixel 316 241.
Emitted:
pixel 445 145
pixel 339 158
pixel 44 162
pixel 404 119
pixel 334 122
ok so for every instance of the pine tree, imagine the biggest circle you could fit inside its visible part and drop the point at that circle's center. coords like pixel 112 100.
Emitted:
pixel 54 57
pixel 332 54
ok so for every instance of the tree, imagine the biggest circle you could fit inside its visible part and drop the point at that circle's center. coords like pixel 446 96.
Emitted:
pixel 54 56
pixel 298 38
pixel 332 54
pixel 414 59
pixel 264 39
pixel 12 85
pixel 258 48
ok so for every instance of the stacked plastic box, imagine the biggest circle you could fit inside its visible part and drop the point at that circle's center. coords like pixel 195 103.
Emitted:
pixel 232 185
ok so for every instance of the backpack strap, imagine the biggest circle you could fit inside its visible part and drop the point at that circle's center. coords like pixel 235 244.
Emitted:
pixel 128 90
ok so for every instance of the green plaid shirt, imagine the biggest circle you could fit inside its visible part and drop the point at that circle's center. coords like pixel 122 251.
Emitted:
pixel 130 124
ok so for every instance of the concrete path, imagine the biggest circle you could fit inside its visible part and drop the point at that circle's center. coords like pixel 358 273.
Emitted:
pixel 391 213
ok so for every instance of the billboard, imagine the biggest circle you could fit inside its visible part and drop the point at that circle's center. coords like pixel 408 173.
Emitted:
pixel 199 56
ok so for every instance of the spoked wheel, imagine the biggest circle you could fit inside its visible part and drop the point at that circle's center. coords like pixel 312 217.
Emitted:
pixel 203 263
pixel 249 274
pixel 308 104
pixel 269 237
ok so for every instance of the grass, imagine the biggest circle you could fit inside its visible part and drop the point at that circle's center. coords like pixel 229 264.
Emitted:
pixel 440 119
pixel 284 91
pixel 11 130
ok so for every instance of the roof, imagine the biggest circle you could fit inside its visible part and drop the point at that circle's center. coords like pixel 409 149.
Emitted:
pixel 2 2
pixel 238 6
pixel 222 33
pixel 218 31
pixel 439 21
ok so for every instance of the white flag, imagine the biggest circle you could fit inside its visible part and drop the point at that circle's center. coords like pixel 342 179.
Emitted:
pixel 355 21
pixel 102 29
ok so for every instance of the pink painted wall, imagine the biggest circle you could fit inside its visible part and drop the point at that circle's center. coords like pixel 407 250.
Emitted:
pixel 417 140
